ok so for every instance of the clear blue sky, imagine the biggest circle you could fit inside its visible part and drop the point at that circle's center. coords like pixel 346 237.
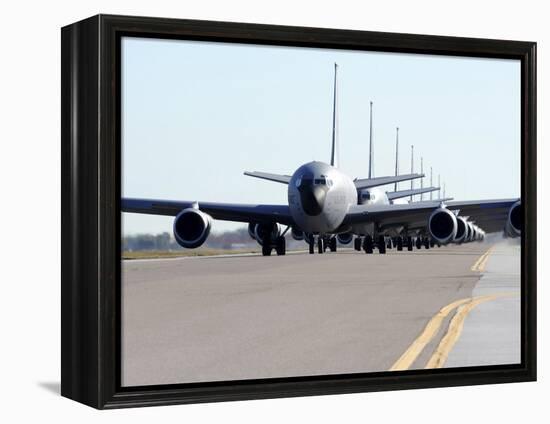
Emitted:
pixel 196 115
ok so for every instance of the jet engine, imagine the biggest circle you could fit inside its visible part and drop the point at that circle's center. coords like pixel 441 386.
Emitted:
pixel 471 231
pixel 267 232
pixel 442 225
pixel 297 234
pixel 191 228
pixel 461 229
pixel 467 231
pixel 514 221
pixel 345 238
pixel 251 230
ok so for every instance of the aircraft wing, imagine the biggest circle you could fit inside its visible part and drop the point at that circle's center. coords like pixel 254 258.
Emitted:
pixel 380 181
pixel 489 215
pixel 392 195
pixel 222 211
pixel 283 179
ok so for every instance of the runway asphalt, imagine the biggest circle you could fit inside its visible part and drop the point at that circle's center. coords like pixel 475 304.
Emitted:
pixel 246 317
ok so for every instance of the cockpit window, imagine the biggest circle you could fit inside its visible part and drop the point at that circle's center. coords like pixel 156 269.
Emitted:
pixel 367 195
pixel 323 181
pixel 305 181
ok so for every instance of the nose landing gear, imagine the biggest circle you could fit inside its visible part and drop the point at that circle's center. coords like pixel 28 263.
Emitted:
pixel 320 245
pixel 311 243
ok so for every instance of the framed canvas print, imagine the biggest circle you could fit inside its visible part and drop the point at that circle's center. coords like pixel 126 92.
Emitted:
pixel 255 211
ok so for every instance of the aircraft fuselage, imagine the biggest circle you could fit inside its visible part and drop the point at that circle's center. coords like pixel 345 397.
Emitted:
pixel 319 197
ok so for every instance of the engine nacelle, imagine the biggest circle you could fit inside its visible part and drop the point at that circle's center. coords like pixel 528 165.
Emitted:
pixel 442 225
pixel 481 235
pixel 268 232
pixel 191 228
pixel 468 232
pixel 252 230
pixel 297 234
pixel 514 221
pixel 345 238
pixel 471 231
pixel 461 229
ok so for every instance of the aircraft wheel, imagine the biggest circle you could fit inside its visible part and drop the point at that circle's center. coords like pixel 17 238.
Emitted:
pixel 418 242
pixel 266 249
pixel 320 245
pixel 390 243
pixel 400 243
pixel 409 243
pixel 381 245
pixel 332 244
pixel 432 244
pixel 426 242
pixel 368 244
pixel 311 244
pixel 357 243
pixel 280 248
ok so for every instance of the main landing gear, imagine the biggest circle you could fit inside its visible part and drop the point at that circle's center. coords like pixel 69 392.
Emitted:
pixel 381 245
pixel 279 246
pixel 399 243
pixel 332 244
pixel 368 244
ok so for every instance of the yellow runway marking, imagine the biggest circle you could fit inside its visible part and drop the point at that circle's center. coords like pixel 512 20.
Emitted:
pixel 437 360
pixel 456 325
pixel 431 329
pixel 479 265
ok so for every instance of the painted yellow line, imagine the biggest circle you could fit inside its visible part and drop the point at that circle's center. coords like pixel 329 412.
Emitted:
pixel 456 325
pixel 431 329
pixel 479 265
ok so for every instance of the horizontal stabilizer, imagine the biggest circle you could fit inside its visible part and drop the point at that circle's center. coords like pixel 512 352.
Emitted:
pixel 283 179
pixel 392 195
pixel 380 181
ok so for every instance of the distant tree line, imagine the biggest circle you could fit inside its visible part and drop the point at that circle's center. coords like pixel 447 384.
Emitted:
pixel 236 239
pixel 165 241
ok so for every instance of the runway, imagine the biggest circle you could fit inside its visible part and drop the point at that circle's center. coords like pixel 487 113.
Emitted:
pixel 244 317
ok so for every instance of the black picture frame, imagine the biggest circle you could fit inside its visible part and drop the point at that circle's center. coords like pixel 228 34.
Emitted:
pixel 90 222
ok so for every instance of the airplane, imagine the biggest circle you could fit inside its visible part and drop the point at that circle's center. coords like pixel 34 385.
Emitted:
pixel 325 206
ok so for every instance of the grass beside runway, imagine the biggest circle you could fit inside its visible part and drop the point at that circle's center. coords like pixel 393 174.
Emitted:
pixel 159 254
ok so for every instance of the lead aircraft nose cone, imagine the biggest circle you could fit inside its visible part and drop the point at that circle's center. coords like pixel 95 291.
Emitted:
pixel 313 199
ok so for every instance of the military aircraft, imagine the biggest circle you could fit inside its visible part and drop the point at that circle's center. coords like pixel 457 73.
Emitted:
pixel 325 206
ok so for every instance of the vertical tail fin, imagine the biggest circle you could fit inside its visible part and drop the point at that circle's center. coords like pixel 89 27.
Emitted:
pixel 431 181
pixel 334 153
pixel 412 169
pixel 371 152
pixel 421 179
pixel 396 157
